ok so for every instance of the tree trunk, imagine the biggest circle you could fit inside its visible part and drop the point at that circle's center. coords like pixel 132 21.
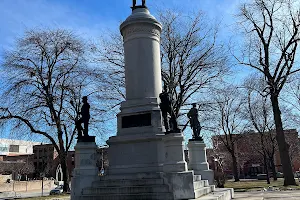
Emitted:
pixel 235 168
pixel 282 145
pixel 63 163
pixel 273 169
pixel 266 168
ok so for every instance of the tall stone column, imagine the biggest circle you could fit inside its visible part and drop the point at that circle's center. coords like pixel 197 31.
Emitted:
pixel 139 135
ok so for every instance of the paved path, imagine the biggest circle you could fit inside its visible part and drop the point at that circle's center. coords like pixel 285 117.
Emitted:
pixel 33 193
pixel 274 195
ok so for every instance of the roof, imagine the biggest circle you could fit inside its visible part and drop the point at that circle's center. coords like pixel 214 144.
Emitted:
pixel 17 142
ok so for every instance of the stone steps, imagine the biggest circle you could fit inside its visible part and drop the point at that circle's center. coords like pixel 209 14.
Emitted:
pixel 126 190
pixel 204 191
pixel 200 184
pixel 157 175
pixel 197 178
pixel 128 182
pixel 145 186
pixel 141 196
pixel 219 194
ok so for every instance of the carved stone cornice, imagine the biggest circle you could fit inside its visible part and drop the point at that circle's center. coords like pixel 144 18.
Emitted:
pixel 140 29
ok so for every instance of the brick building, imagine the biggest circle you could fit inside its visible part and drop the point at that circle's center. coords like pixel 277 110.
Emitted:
pixel 45 160
pixel 249 152
pixel 16 158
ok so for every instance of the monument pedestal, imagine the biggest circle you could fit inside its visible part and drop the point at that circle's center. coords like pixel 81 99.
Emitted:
pixel 198 160
pixel 137 153
pixel 85 171
pixel 174 153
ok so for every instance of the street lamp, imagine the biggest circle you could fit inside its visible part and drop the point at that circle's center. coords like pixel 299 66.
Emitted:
pixel 42 173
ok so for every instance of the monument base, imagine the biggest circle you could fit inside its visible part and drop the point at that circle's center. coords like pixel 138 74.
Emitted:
pixel 174 153
pixel 198 160
pixel 85 171
pixel 165 179
pixel 157 186
pixel 86 138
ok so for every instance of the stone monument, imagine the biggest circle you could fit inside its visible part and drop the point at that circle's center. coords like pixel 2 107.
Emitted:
pixel 146 161
pixel 85 171
pixel 197 149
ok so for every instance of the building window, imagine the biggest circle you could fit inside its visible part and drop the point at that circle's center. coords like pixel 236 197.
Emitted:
pixel 3 148
pixel 14 148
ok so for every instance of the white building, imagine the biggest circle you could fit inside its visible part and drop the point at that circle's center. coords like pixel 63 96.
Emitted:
pixel 16 147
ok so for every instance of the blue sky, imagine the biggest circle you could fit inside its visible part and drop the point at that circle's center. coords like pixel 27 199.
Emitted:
pixel 91 18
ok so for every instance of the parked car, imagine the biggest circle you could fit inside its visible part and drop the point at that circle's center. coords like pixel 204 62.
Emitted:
pixel 57 190
pixel 261 176
pixel 280 175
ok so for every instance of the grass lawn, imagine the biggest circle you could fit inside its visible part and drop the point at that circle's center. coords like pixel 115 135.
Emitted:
pixel 251 185
pixel 52 197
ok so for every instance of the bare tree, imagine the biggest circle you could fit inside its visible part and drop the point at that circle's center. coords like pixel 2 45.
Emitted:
pixel 46 71
pixel 221 161
pixel 228 117
pixel 191 58
pixel 291 99
pixel 272 30
pixel 23 168
pixel 258 112
pixel 20 167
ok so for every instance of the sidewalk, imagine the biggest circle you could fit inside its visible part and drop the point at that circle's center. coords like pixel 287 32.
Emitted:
pixel 268 195
pixel 24 194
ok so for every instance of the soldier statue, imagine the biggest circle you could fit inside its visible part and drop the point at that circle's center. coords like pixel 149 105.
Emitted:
pixel 85 117
pixel 134 6
pixel 167 108
pixel 195 124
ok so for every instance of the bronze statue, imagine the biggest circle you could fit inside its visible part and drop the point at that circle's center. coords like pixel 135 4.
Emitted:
pixel 134 6
pixel 167 108
pixel 85 117
pixel 195 124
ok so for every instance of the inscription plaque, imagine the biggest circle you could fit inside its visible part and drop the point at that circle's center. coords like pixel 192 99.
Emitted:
pixel 138 120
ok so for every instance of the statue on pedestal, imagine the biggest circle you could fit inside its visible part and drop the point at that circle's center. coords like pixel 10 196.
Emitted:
pixel 195 124
pixel 134 6
pixel 85 117
pixel 167 108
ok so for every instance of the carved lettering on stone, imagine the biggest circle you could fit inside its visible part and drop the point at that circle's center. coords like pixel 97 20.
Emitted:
pixel 141 29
